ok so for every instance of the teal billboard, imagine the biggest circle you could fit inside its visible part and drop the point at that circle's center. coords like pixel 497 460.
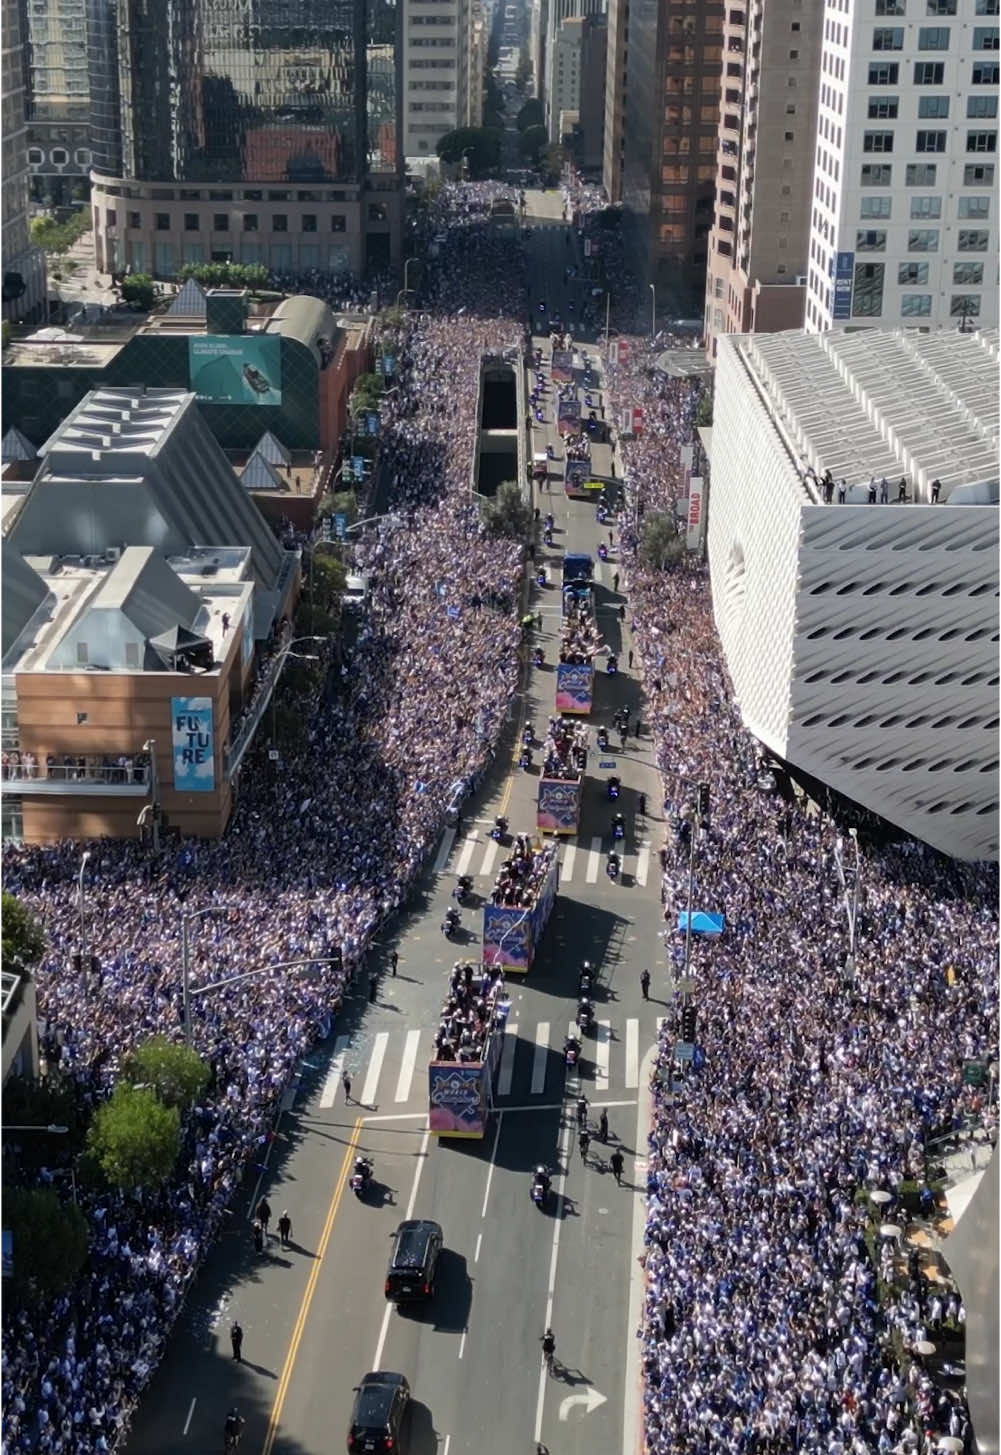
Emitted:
pixel 235 369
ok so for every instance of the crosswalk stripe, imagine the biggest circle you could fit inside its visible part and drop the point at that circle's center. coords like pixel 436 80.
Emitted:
pixel 374 1068
pixel 566 868
pixel 593 861
pixel 632 1052
pixel 540 1057
pixel 506 1073
pixel 468 849
pixel 334 1074
pixel 446 848
pixel 407 1067
pixel 643 864
pixel 602 1052
pixel 488 858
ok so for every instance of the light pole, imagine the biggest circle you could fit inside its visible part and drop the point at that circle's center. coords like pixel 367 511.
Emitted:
pixel 391 516
pixel 84 861
pixel 283 656
pixel 406 279
pixel 53 1128
pixel 653 310
pixel 189 994
pixel 149 746
pixel 694 818
pixel 608 313
pixel 851 900
pixel 186 918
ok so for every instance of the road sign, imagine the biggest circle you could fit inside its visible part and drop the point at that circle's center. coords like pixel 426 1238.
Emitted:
pixel 326 528
pixel 274 755
pixel 372 422
pixel 358 465
pixel 684 1050
pixel 606 763
pixel 454 613
pixel 341 526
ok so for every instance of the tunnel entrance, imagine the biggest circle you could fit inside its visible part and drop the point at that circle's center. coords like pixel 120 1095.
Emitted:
pixel 498 440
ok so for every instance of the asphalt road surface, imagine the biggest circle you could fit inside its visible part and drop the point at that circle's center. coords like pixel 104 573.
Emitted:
pixel 314 1315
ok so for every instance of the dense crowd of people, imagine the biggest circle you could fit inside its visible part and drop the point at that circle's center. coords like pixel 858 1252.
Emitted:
pixel 522 874
pixel 317 856
pixel 580 639
pixel 774 1320
pixel 470 1012
pixel 565 749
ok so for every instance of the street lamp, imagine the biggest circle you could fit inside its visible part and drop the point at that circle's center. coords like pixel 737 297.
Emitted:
pixel 851 900
pixel 190 993
pixel 149 747
pixel 186 918
pixel 653 310
pixel 53 1129
pixel 395 521
pixel 84 861
pixel 283 657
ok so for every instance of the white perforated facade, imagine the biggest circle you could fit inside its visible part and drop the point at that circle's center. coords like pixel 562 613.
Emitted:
pixel 862 640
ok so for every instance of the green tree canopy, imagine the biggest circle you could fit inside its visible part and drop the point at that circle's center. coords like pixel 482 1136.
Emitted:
pixel 328 580
pixel 481 143
pixel 139 291
pixel 23 937
pixel 135 1138
pixel 704 412
pixel 56 237
pixel 531 114
pixel 531 142
pixel 50 1241
pixel 50 1101
pixel 227 275
pixel 508 513
pixel 661 545
pixel 175 1073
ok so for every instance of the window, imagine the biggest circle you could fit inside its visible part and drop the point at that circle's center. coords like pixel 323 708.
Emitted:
pixel 253 194
pixel 978 176
pixel 132 654
pixel 888 39
pixel 940 7
pixel 876 207
pixel 974 209
pixel 82 157
pixel 249 222
pixel 890 7
pixel 912 275
pixel 162 222
pixel 915 305
pixel 926 207
pixel 309 222
pixel 220 222
pixel 35 156
pixel 191 222
pixel 112 217
pixel 338 223
pixel 878 141
pixel 883 73
pixel 279 223
pixel 220 196
pixel 973 240
pixel 82 654
pixel 964 305
pixel 929 73
pixel 377 212
pixel 279 196
pixel 933 38
pixel 872 240
pixel 875 175
pixel 60 156
pixel 986 7
pixel 986 73
pixel 985 37
pixel 867 294
pixel 968 274
pixel 883 108
pixel 922 240
pixel 981 141
pixel 920 174
pixel 135 219
pixel 930 141
pixel 933 108
pixel 308 197
pixel 789 136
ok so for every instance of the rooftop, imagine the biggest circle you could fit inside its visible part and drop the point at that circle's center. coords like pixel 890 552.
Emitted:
pixel 872 402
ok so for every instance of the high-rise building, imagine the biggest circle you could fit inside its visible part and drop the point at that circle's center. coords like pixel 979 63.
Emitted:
pixel 904 205
pixel 615 82
pixel 267 135
pixel 556 12
pixel 442 71
pixel 670 119
pixel 760 241
pixel 23 265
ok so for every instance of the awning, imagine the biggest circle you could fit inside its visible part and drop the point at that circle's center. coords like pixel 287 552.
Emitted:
pixel 703 923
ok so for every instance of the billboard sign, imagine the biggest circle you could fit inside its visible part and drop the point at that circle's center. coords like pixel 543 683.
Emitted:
pixel 576 474
pixel 340 525
pixel 457 1099
pixel 696 513
pixel 562 369
pixel 637 420
pixel 193 741
pixel 574 686
pixel 236 368
pixel 507 937
pixel 559 805
pixel 372 422
pixel 568 416
pixel 248 631
pixel 844 271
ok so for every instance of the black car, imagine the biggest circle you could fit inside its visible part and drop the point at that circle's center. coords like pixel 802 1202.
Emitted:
pixel 380 1408
pixel 413 1264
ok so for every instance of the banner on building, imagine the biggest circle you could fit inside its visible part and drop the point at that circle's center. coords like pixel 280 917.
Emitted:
pixel 235 369
pixel 844 271
pixel 248 631
pixel 193 741
pixel 696 513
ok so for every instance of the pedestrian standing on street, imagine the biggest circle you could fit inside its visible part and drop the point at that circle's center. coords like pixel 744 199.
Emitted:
pixel 264 1214
pixel 645 984
pixel 258 1235
pixel 285 1228
pixel 615 581
pixel 394 960
pixel 236 1339
pixel 617 1162
pixel 603 1126
pixel 630 658
pixel 346 1083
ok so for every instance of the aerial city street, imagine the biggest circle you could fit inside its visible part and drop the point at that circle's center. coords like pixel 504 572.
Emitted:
pixel 536 993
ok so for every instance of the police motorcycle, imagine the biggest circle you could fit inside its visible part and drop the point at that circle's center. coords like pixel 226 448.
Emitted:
pixel 463 887
pixel 584 979
pixel 618 827
pixel 499 831
pixel 451 923
pixel 541 1186
pixel 612 867
pixel 602 740
pixel 614 785
pixel 602 552
pixel 571 1051
pixel 585 1016
pixel 613 664
pixel 361 1176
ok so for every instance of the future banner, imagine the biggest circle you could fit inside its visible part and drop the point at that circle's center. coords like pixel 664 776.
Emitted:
pixel 235 369
pixel 559 805
pixel 193 741
pixel 574 687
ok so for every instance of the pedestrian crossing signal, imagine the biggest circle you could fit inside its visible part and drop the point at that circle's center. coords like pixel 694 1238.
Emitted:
pixel 688 1023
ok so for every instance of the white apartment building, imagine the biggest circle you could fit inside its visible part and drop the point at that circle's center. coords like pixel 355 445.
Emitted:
pixel 904 226
pixel 443 71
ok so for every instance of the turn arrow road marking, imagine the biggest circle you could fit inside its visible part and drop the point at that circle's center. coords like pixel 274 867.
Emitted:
pixel 591 1399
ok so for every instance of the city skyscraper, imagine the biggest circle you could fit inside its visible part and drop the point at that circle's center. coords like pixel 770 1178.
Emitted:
pixel 443 41
pixel 24 282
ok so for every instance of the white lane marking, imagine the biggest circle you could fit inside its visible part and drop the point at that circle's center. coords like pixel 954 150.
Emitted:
pixel 566 868
pixel 643 864
pixel 506 1072
pixel 632 1404
pixel 632 1051
pixel 488 858
pixel 479 1240
pixel 490 1169
pixel 602 1052
pixel 444 851
pixel 563 1155
pixel 593 861
pixel 540 1057
pixel 374 1069
pixel 187 1422
pixel 462 1346
pixel 468 849
pixel 407 1067
pixel 444 1448
pixel 421 1159
pixel 332 1082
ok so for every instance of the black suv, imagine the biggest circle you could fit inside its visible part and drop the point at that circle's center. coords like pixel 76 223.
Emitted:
pixel 413 1263
pixel 380 1407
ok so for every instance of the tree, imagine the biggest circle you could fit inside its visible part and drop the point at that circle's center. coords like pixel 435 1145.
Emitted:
pixel 367 392
pixel 135 1138
pixel 508 514
pixel 661 545
pixel 531 142
pixel 345 502
pixel 175 1073
pixel 478 146
pixel 552 163
pixel 56 238
pixel 23 936
pixel 704 412
pixel 227 275
pixel 53 1100
pixel 139 292
pixel 328 579
pixel 50 1238
pixel 531 114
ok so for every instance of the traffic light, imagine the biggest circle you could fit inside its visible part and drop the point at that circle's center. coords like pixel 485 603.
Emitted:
pixel 688 1023
pixel 704 802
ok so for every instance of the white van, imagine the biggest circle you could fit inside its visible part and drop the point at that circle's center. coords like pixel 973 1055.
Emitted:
pixel 355 593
